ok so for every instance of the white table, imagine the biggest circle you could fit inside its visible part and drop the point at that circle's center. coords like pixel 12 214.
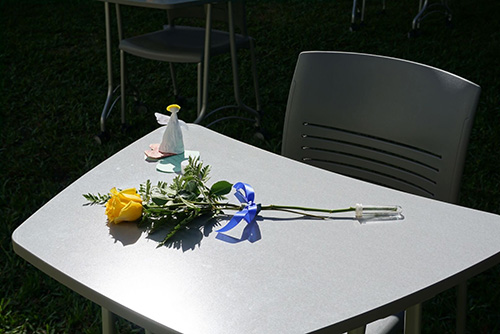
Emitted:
pixel 302 276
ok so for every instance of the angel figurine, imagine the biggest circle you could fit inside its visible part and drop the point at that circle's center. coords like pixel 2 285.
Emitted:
pixel 172 142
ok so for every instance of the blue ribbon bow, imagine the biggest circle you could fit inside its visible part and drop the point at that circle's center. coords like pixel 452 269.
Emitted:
pixel 245 194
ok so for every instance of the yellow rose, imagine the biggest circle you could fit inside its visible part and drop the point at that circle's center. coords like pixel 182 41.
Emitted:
pixel 125 205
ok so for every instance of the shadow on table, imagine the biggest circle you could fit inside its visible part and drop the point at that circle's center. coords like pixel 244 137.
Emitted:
pixel 191 236
pixel 127 232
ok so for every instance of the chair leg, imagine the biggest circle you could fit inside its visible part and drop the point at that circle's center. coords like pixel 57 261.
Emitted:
pixel 107 104
pixel 123 74
pixel 122 85
pixel 234 61
pixel 255 76
pixel 422 6
pixel 353 15
pixel 200 87
pixel 363 11
pixel 174 81
pixel 206 60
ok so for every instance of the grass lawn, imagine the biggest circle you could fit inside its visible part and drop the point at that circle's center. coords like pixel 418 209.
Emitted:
pixel 53 80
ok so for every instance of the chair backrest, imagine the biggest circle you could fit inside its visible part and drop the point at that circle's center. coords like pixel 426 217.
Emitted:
pixel 219 13
pixel 384 120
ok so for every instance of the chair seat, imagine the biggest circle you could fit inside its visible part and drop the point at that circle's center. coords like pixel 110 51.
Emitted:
pixel 180 44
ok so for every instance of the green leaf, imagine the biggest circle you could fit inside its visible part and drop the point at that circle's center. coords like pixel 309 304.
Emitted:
pixel 188 203
pixel 192 187
pixel 145 190
pixel 221 188
pixel 159 199
pixel 96 199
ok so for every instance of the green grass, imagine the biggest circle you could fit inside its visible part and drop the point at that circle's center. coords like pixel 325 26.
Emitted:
pixel 53 84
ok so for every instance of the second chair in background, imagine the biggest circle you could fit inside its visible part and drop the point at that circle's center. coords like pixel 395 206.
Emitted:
pixel 196 44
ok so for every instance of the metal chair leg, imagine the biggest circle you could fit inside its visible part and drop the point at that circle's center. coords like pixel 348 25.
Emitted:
pixel 206 59
pixel 174 81
pixel 255 76
pixel 353 14
pixel 123 74
pixel 234 62
pixel 199 96
pixel 363 11
pixel 122 85
pixel 425 9
pixel 109 98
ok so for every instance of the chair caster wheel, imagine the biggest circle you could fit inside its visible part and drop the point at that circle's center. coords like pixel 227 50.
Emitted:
pixel 101 137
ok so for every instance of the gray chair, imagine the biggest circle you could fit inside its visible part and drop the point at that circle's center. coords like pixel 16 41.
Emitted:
pixel 388 121
pixel 196 44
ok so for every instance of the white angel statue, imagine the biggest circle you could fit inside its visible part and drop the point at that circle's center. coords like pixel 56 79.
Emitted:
pixel 172 142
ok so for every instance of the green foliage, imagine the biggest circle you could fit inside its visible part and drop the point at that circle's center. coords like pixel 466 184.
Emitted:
pixel 96 198
pixel 173 206
pixel 176 205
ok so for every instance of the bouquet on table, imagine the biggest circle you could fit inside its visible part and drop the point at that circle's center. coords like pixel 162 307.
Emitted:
pixel 176 205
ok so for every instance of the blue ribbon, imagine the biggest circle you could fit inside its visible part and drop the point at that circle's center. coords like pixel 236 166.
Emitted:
pixel 245 194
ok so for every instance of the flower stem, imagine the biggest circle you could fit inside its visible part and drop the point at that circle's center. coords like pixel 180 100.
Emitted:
pixel 290 207
pixel 300 210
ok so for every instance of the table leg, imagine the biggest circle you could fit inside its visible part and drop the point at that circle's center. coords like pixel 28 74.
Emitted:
pixel 108 321
pixel 359 330
pixel 461 307
pixel 413 319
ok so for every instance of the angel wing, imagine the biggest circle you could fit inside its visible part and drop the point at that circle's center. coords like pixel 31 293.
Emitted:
pixel 163 119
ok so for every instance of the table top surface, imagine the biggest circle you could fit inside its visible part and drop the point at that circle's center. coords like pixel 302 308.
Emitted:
pixel 303 275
